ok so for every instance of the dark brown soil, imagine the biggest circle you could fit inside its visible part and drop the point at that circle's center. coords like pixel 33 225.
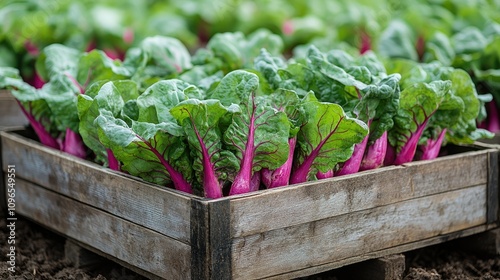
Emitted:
pixel 40 255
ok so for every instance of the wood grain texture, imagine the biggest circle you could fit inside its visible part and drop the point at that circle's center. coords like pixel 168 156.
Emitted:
pixel 381 253
pixel 200 242
pixel 493 199
pixel 10 113
pixel 220 240
pixel 139 247
pixel 357 233
pixel 154 207
pixel 294 205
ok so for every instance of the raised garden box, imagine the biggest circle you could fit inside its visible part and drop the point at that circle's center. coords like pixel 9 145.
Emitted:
pixel 280 234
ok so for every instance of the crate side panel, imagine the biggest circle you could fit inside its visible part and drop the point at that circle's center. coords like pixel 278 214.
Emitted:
pixel 154 207
pixel 449 173
pixel 327 198
pixel 126 241
pixel 358 233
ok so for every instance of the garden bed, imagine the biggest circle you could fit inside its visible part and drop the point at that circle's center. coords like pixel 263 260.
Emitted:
pixel 282 233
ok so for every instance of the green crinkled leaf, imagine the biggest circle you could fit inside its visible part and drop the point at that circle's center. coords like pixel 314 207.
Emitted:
pixel 97 66
pixel 57 59
pixel 468 40
pixel 112 97
pixel 235 88
pixel 378 105
pixel 327 138
pixel 418 103
pixel 261 131
pixel 262 39
pixel 212 163
pixel 145 149
pixel 155 103
pixel 287 101
pixel 439 48
pixel 396 41
pixel 228 46
pixel 269 66
pixel 60 94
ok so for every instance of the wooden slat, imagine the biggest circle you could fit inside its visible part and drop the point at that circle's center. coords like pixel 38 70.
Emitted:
pixel 156 208
pixel 493 199
pixel 449 172
pixel 200 243
pixel 377 254
pixel 354 234
pixel 140 247
pixel 10 113
pixel 318 200
pixel 210 240
pixel 220 240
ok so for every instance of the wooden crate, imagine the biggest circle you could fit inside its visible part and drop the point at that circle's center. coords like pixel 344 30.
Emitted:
pixel 279 234
pixel 10 113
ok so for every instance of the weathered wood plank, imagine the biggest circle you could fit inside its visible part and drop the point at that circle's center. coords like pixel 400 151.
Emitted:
pixel 135 269
pixel 449 172
pixel 493 199
pixel 220 240
pixel 154 207
pixel 3 197
pixel 377 254
pixel 10 113
pixel 139 247
pixel 200 243
pixel 354 234
pixel 318 200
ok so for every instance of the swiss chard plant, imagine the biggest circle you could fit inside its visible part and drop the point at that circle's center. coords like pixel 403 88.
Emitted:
pixel 257 134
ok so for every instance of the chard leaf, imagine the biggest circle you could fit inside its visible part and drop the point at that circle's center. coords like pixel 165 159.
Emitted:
pixel 464 129
pixel 469 40
pixel 418 103
pixel 236 88
pixel 378 105
pixel 153 152
pixel 269 66
pixel 111 97
pixel 327 138
pixel 212 165
pixel 57 59
pixel 155 103
pixel 165 56
pixel 439 48
pixel 97 66
pixel 258 134
pixel 228 46
pixel 60 94
pixel 396 41
pixel 262 39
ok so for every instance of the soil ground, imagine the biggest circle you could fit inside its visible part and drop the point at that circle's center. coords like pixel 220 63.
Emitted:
pixel 40 255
